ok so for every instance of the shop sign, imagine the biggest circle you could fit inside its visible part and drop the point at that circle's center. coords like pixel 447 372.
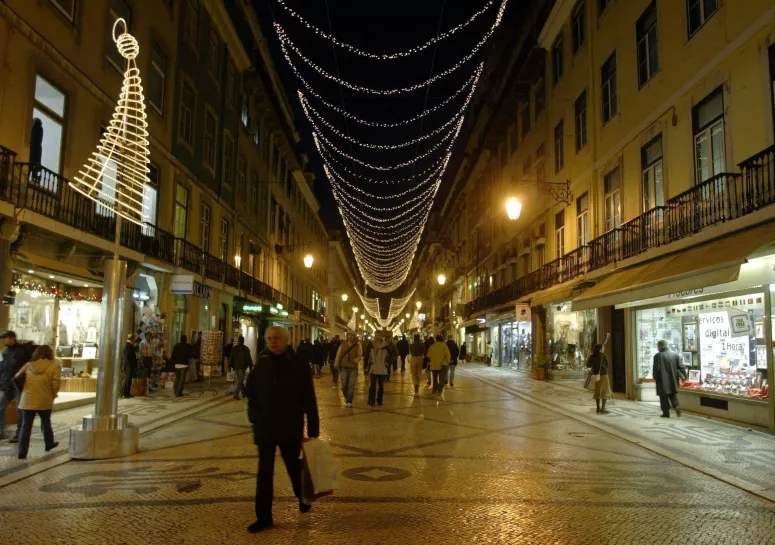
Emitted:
pixel 182 283
pixel 741 323
pixel 273 310
pixel 717 344
pixel 523 313
pixel 251 308
pixel 200 290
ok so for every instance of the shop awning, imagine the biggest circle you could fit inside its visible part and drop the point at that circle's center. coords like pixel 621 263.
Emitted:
pixel 560 294
pixel 716 262
pixel 52 265
pixel 468 323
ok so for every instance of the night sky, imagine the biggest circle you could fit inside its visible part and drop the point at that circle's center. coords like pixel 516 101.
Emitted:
pixel 381 26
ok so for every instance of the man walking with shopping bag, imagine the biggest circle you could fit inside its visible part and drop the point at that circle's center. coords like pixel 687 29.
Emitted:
pixel 280 393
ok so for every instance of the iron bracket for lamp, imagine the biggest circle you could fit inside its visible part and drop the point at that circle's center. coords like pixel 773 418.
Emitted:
pixel 281 249
pixel 560 191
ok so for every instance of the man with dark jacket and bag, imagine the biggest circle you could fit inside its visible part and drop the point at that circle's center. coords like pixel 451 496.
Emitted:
pixel 668 367
pixel 403 352
pixel 129 365
pixel 15 356
pixel 454 353
pixel 182 354
pixel 242 362
pixel 280 393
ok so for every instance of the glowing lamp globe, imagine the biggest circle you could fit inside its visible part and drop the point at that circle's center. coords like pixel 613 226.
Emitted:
pixel 308 261
pixel 513 208
pixel 344 297
pixel 407 315
pixel 442 279
pixel 418 305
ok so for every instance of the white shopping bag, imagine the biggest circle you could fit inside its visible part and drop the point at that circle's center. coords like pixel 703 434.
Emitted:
pixel 319 477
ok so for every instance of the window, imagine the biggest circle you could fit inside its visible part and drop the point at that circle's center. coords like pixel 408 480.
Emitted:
pixel 254 193
pixel 648 54
pixel 231 83
pixel 66 7
pixel 578 25
pixel 582 221
pixel 150 196
pixel 157 79
pixel 205 217
pixel 181 211
pixel 608 88
pixel 264 208
pixel 525 120
pixel 540 256
pixel 118 9
pixel 699 12
pixel 613 218
pixel 223 251
pixel 213 55
pixel 540 98
pixel 559 233
pixel 273 217
pixel 708 123
pixel 191 28
pixel 580 113
pixel 559 148
pixel 557 58
pixel 602 5
pixel 651 174
pixel 257 135
pixel 48 119
pixel 275 165
pixel 242 183
pixel 208 144
pixel 238 250
pixel 228 159
pixel 187 106
pixel 245 115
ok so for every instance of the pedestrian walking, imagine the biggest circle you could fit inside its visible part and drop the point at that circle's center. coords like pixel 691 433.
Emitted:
pixel 347 359
pixel 315 353
pixel 333 348
pixel 403 352
pixel 392 357
pixel 241 362
pixel 416 362
pixel 668 368
pixel 453 355
pixel 280 393
pixel 598 363
pixel 182 354
pixel 463 352
pixel 366 347
pixel 380 359
pixel 41 386
pixel 129 365
pixel 488 352
pixel 15 356
pixel 438 360
pixel 428 342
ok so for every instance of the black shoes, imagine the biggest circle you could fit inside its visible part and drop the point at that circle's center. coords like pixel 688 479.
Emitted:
pixel 14 439
pixel 304 507
pixel 259 526
pixel 664 416
pixel 52 447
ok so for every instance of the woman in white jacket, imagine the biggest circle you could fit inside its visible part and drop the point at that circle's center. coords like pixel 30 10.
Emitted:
pixel 41 386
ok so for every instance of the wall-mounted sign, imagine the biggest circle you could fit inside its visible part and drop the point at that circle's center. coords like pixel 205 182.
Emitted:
pixel 741 323
pixel 200 290
pixel 182 283
pixel 279 306
pixel 273 310
pixel 523 312
pixel 283 313
pixel 252 308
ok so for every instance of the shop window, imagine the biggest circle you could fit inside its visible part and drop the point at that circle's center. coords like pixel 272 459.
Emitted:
pixel 208 143
pixel 181 211
pixel 559 233
pixel 582 221
pixel 205 218
pixel 559 147
pixel 540 98
pixel 557 58
pixel 570 336
pixel 157 79
pixel 191 27
pixel 525 121
pixel 608 88
pixel 611 182
pixel 578 23
pixel 223 249
pixel 699 11
pixel 66 8
pixel 214 55
pixel 228 159
pixel 242 184
pixel 708 122
pixel 231 83
pixel 580 116
pixel 150 198
pixel 47 138
pixel 648 51
pixel 119 9
pixel 651 174
pixel 187 107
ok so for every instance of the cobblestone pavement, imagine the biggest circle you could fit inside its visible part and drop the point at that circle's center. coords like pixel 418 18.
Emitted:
pixel 481 465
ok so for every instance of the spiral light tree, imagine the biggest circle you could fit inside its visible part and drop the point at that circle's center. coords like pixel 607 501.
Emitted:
pixel 114 177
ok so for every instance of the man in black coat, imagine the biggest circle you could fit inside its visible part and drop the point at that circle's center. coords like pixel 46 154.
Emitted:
pixel 182 354
pixel 129 365
pixel 15 356
pixel 280 393
pixel 453 353
pixel 403 352
pixel 668 367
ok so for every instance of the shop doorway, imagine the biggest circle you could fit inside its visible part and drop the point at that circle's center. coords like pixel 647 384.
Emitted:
pixel 619 379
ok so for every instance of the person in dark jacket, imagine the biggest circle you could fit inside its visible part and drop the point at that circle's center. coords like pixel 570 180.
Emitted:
pixel 668 368
pixel 306 352
pixel 316 354
pixel 598 363
pixel 241 361
pixel 333 349
pixel 428 342
pixel 417 350
pixel 454 353
pixel 280 393
pixel 15 356
pixel 129 365
pixel 182 353
pixel 463 352
pixel 366 347
pixel 403 352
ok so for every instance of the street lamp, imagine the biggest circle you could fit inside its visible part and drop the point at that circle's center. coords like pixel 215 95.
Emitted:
pixel 418 304
pixel 344 297
pixel 363 316
pixel 407 315
pixel 513 208
pixel 442 278
pixel 308 261
pixel 355 309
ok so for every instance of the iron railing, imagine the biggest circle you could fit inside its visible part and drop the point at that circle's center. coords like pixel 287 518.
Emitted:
pixel 7 160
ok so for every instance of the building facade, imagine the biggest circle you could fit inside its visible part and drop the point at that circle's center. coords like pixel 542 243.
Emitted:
pixel 638 139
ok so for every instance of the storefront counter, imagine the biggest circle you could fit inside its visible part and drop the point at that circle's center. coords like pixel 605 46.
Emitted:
pixel 78 365
pixel 738 408
pixel 77 384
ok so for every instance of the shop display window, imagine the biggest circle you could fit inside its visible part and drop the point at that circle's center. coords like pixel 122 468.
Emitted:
pixel 570 336
pixel 32 317
pixel 516 343
pixel 721 343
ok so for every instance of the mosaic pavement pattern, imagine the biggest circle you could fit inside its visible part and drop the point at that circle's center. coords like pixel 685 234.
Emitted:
pixel 481 465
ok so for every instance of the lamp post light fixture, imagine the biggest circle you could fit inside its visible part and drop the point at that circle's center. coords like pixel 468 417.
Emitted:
pixel 442 279
pixel 355 309
pixel 308 261
pixel 407 315
pixel 344 297
pixel 513 208
pixel 363 317
pixel 418 304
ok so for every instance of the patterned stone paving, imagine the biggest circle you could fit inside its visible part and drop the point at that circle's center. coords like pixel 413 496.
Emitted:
pixel 480 466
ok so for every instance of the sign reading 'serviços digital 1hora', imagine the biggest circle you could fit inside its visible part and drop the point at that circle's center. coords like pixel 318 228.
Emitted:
pixel 718 345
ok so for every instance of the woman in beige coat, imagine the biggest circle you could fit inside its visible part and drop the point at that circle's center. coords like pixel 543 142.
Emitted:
pixel 41 386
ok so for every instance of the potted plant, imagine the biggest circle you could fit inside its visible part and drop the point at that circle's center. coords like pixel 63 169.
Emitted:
pixel 543 363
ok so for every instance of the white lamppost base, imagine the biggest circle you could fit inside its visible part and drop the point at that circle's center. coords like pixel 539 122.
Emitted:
pixel 102 438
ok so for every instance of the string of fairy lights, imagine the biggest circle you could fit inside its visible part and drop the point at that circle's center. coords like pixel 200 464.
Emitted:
pixel 385 226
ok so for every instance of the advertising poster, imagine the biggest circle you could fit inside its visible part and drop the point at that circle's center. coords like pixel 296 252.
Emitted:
pixel 717 345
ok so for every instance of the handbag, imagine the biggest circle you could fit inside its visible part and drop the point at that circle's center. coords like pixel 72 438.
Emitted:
pixel 319 476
